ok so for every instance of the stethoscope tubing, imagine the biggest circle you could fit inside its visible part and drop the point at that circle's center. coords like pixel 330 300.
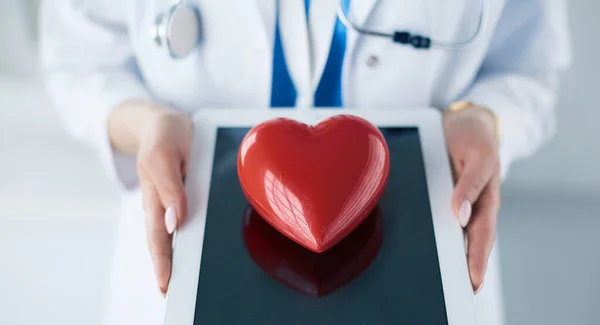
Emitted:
pixel 164 21
pixel 448 46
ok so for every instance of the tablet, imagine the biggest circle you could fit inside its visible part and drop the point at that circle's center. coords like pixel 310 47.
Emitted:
pixel 405 264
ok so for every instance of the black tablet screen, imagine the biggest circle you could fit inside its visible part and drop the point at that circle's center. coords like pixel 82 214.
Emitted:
pixel 385 272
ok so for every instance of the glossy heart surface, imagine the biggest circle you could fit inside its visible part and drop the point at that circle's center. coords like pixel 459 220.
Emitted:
pixel 316 275
pixel 315 184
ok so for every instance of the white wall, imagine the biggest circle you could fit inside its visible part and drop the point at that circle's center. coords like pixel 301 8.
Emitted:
pixel 571 163
pixel 18 33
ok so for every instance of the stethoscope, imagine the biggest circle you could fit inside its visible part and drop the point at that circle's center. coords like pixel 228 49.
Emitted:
pixel 179 31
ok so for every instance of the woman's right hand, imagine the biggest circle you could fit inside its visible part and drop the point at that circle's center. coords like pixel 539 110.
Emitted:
pixel 161 139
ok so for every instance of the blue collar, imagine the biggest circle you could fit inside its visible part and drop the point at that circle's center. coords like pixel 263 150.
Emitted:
pixel 329 90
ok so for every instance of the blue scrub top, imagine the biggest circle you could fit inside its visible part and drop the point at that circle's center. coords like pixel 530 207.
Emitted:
pixel 329 90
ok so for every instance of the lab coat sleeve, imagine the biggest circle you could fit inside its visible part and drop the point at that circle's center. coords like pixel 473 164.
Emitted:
pixel 89 69
pixel 518 79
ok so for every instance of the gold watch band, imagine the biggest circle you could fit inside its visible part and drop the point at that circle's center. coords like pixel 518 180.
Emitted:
pixel 462 105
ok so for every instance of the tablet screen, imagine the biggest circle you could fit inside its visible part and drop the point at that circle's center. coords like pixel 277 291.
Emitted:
pixel 385 272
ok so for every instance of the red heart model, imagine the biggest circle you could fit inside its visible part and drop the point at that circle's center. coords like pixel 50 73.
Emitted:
pixel 316 275
pixel 315 184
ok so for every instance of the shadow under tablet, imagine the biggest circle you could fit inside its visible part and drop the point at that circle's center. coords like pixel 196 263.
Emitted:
pixel 402 285
pixel 316 275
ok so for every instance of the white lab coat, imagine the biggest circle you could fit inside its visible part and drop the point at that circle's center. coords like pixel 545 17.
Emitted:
pixel 98 53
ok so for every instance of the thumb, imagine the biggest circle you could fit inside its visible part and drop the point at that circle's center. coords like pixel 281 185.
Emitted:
pixel 477 172
pixel 170 187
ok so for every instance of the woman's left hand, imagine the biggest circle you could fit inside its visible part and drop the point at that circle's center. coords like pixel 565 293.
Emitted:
pixel 470 135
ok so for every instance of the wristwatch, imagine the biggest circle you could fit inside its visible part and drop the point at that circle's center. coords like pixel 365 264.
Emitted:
pixel 462 105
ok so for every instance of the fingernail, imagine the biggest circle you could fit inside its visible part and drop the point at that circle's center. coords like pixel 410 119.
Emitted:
pixel 170 219
pixel 480 286
pixel 464 213
pixel 162 292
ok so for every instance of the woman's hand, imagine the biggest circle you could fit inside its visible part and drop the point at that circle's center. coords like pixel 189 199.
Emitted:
pixel 470 134
pixel 161 139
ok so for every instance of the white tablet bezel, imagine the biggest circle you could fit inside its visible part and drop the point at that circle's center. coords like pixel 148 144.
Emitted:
pixel 459 298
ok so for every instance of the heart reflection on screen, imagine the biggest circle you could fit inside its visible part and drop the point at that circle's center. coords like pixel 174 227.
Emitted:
pixel 313 274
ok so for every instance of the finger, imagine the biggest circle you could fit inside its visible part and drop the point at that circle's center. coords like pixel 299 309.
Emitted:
pixel 481 232
pixel 475 175
pixel 168 179
pixel 456 168
pixel 159 241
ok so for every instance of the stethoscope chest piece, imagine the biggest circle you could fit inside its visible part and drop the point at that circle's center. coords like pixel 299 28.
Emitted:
pixel 178 30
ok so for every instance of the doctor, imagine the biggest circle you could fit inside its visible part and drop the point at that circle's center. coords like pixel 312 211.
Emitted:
pixel 125 76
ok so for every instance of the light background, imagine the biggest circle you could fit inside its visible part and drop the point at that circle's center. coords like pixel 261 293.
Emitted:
pixel 57 209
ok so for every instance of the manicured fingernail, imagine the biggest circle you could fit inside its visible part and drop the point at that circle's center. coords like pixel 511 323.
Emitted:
pixel 464 213
pixel 171 219
pixel 480 287
pixel 162 292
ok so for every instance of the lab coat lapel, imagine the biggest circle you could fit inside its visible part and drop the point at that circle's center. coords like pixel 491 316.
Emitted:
pixel 295 41
pixel 361 10
pixel 267 11
pixel 306 70
pixel 359 13
pixel 322 21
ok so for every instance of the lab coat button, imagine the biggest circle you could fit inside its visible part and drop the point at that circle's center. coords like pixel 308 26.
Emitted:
pixel 372 61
